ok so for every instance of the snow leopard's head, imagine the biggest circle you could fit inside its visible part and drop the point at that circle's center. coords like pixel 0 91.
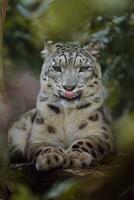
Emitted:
pixel 70 71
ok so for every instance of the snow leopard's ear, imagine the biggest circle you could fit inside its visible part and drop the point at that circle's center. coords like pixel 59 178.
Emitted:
pixel 93 49
pixel 48 49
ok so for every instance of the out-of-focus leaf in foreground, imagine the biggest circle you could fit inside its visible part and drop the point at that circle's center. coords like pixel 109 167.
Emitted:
pixel 124 128
pixel 67 19
pixel 23 193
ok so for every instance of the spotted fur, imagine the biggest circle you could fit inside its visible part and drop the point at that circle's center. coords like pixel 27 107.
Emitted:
pixel 66 129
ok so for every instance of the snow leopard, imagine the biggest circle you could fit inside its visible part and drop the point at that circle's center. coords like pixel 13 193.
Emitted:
pixel 69 126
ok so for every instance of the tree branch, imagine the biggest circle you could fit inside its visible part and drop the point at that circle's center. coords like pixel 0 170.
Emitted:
pixel 3 9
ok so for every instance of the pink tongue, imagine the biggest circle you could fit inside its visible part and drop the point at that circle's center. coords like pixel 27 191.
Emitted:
pixel 69 94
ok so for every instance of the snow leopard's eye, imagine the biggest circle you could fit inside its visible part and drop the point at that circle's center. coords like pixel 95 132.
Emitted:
pixel 84 69
pixel 57 68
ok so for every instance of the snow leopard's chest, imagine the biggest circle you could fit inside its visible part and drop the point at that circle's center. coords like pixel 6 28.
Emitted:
pixel 68 125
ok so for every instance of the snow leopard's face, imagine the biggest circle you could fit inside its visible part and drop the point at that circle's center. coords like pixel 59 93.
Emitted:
pixel 71 72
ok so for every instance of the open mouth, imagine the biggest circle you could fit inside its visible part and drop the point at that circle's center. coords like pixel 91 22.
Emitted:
pixel 69 95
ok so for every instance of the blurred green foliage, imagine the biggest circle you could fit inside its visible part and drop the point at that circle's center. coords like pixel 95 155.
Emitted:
pixel 125 129
pixel 23 193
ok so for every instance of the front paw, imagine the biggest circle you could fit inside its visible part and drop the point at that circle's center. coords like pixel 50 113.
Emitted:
pixel 76 159
pixel 50 159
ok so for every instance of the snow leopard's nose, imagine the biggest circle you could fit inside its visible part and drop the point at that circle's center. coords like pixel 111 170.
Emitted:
pixel 69 87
